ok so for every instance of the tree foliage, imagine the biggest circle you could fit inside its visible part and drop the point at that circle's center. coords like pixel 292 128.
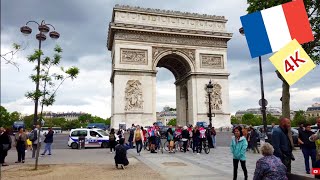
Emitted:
pixel 47 79
pixel 299 118
pixel 172 122
pixel 235 120
pixel 8 57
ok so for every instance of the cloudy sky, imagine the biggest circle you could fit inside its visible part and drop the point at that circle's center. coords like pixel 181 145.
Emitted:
pixel 83 26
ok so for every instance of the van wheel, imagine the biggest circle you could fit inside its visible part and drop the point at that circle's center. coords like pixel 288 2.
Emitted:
pixel 104 145
pixel 74 145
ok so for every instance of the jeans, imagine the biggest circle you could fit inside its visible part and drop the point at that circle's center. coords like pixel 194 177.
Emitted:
pixel 307 152
pixel 34 149
pixel 139 146
pixel 195 144
pixel 235 169
pixel 213 140
pixel 47 147
pixel 21 149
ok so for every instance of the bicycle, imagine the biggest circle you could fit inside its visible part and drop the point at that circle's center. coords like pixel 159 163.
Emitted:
pixel 206 147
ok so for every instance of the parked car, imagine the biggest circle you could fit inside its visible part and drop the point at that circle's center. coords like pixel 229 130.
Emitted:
pixel 314 128
pixel 93 138
pixel 295 134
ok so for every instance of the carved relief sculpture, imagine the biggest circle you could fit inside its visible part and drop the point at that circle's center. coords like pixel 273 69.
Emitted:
pixel 133 96
pixel 216 99
pixel 134 56
pixel 211 61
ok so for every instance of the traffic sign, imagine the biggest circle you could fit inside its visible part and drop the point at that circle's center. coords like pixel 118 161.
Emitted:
pixel 265 102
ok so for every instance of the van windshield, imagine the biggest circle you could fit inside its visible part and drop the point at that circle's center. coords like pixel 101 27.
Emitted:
pixel 103 133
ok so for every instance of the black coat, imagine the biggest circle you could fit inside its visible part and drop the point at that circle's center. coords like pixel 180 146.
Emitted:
pixel 5 139
pixel 49 137
pixel 185 134
pixel 121 155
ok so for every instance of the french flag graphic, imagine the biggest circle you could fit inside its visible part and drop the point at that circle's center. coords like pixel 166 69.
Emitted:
pixel 271 29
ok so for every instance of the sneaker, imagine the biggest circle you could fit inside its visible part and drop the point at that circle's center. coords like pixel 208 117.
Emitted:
pixel 308 172
pixel 4 164
pixel 49 154
pixel 17 162
pixel 23 161
pixel 42 154
pixel 122 166
pixel 198 153
pixel 110 152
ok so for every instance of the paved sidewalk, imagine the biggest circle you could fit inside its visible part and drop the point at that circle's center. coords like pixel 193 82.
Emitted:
pixel 217 164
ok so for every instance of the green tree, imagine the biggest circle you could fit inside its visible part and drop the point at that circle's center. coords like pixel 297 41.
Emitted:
pixel 235 120
pixel 172 122
pixel 85 118
pixel 4 117
pixel 312 48
pixel 73 124
pixel 47 79
pixel 298 119
pixel 108 121
pixel 28 121
pixel 250 119
pixel 312 120
pixel 272 119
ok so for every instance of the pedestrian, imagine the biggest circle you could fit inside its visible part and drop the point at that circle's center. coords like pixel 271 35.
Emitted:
pixel 170 139
pixel 152 138
pixel 213 137
pixel 33 136
pixel 202 137
pixel 238 148
pixel 195 139
pixel 5 145
pixel 308 148
pixel 121 154
pixel 269 167
pixel 112 140
pixel 131 134
pixel 185 136
pixel 138 139
pixel 48 140
pixel 281 143
pixel 262 136
pixel 254 136
pixel 21 145
pixel 144 137
pixel 190 136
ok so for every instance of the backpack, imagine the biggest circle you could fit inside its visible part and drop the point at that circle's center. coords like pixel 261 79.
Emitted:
pixel 112 137
pixel 33 136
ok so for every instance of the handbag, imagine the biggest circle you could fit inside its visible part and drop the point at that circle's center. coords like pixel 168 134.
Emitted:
pixel 5 147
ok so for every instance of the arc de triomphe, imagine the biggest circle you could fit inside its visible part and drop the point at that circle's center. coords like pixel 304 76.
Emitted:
pixel 192 46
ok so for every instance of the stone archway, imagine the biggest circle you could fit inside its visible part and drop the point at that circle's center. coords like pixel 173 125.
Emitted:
pixel 192 46
pixel 180 65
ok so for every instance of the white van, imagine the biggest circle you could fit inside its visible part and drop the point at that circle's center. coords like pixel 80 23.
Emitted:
pixel 93 138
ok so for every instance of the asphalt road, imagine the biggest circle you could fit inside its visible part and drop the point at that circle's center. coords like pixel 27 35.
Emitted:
pixel 60 141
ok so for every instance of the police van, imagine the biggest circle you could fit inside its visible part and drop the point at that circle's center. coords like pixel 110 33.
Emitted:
pixel 93 138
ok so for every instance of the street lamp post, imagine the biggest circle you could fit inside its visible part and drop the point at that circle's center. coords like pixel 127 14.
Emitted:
pixel 43 29
pixel 209 90
pixel 263 102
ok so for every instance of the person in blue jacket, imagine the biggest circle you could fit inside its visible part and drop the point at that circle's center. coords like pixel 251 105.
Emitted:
pixel 238 148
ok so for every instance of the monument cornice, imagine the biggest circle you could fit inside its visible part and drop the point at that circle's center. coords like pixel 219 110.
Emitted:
pixel 215 40
pixel 203 75
pixel 135 72
pixel 138 9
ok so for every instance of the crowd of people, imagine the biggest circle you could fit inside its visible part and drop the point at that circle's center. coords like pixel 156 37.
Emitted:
pixel 277 156
pixel 24 141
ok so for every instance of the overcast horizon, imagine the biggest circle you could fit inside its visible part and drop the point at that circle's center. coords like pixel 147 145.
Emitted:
pixel 83 26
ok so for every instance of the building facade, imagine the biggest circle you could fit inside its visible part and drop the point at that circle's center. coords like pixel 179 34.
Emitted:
pixel 313 111
pixel 69 116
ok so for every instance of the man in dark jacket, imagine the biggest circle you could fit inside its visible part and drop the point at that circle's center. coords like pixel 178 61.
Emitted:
pixel 281 143
pixel 121 154
pixel 48 140
pixel 5 145
pixel 308 147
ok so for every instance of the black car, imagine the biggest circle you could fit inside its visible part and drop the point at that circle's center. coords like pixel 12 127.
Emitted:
pixel 295 134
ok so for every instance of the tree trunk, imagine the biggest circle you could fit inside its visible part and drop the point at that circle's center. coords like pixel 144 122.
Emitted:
pixel 286 103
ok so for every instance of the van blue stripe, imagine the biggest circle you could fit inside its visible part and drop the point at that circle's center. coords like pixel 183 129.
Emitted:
pixel 256 34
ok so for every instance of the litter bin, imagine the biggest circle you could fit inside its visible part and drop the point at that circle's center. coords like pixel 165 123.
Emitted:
pixel 81 142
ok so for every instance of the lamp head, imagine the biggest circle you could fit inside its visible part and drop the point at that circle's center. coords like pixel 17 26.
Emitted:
pixel 209 87
pixel 54 34
pixel 44 28
pixel 26 30
pixel 41 37
pixel 241 31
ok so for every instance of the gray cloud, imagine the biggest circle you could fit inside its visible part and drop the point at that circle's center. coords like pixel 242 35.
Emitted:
pixel 317 99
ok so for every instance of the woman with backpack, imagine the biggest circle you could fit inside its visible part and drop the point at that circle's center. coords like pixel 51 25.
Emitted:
pixel 238 148
pixel 21 145
pixel 112 140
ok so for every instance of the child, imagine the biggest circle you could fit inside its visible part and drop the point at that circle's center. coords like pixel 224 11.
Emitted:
pixel 29 143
